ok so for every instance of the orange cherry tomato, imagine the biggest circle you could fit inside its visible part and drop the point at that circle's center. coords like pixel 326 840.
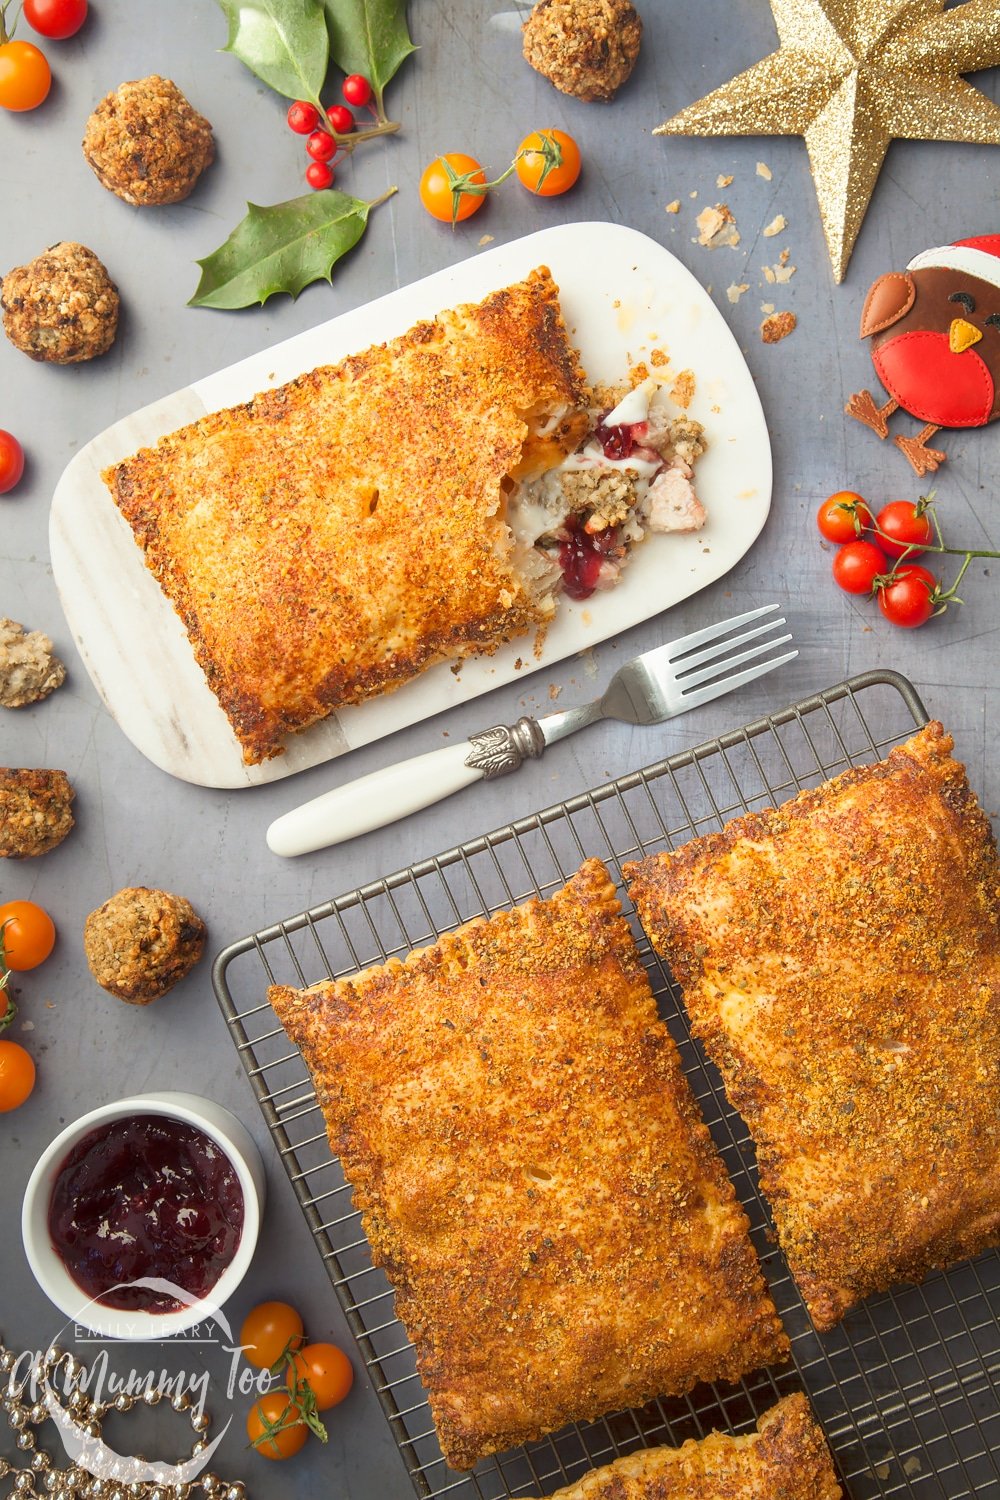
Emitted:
pixel 28 935
pixel 25 76
pixel 441 191
pixel 326 1370
pixel 533 158
pixel 844 516
pixel 17 1076
pixel 268 1330
pixel 274 1426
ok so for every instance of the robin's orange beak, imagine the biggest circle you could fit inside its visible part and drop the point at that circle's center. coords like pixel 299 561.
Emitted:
pixel 962 335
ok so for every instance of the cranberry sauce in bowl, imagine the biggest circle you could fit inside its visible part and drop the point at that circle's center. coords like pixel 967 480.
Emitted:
pixel 146 1196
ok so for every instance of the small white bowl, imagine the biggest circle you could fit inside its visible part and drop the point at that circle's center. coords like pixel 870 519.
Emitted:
pixel 52 1276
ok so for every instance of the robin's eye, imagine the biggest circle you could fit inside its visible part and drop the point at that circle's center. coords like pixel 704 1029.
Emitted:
pixel 969 303
pixel 994 320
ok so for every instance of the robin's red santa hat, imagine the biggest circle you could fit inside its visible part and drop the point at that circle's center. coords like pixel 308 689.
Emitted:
pixel 978 257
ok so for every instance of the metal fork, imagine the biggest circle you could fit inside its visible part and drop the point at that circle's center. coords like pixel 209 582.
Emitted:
pixel 658 685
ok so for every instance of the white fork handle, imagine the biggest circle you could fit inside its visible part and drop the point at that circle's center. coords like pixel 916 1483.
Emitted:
pixel 373 801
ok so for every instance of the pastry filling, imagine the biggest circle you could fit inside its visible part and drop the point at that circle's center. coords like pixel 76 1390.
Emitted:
pixel 576 522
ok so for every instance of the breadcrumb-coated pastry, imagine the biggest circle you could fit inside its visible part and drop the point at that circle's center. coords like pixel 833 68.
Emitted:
pixel 62 307
pixel 142 942
pixel 35 811
pixel 785 1459
pixel 585 48
pixel 146 143
pixel 332 538
pixel 839 958
pixel 533 1173
pixel 29 667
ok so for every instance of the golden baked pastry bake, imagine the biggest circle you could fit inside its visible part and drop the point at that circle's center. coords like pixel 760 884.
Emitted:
pixel 839 959
pixel 785 1459
pixel 533 1174
pixel 333 537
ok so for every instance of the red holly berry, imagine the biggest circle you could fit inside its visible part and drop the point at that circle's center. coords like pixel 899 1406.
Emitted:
pixel 302 117
pixel 341 119
pixel 321 145
pixel 357 90
pixel 319 175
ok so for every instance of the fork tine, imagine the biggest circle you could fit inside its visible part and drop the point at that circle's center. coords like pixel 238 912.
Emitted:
pixel 723 664
pixel 712 632
pixel 719 651
pixel 727 684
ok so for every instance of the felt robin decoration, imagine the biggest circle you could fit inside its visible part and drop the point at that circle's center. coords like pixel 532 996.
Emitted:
pixel 935 332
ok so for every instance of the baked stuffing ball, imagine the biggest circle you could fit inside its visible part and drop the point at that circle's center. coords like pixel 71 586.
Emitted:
pixel 142 942
pixel 146 144
pixel 62 307
pixel 34 811
pixel 586 48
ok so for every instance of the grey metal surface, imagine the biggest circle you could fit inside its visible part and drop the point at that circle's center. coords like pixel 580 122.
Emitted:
pixel 467 88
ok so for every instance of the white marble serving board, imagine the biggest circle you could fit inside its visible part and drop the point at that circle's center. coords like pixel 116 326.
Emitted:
pixel 622 295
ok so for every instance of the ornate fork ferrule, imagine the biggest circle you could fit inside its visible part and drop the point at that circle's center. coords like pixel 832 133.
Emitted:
pixel 505 748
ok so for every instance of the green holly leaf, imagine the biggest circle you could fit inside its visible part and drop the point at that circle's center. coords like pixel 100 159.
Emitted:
pixel 282 249
pixel 369 37
pixel 285 42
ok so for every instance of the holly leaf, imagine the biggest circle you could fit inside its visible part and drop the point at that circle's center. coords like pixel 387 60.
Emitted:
pixel 285 42
pixel 369 37
pixel 281 249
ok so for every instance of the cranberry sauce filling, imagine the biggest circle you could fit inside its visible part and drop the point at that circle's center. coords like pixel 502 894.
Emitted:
pixel 581 555
pixel 146 1196
pixel 617 442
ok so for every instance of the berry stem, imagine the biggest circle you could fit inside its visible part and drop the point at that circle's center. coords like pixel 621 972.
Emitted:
pixel 347 143
pixel 5 33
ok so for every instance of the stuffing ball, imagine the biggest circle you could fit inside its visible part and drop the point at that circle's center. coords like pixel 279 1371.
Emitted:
pixel 141 943
pixel 586 48
pixel 146 144
pixel 34 811
pixel 62 307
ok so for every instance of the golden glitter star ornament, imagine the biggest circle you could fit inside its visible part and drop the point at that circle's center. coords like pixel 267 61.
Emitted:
pixel 849 76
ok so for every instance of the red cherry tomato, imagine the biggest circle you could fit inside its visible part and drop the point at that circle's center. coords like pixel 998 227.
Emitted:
pixel 357 90
pixel 25 77
pixel 856 567
pixel 11 461
pixel 17 1076
pixel 302 117
pixel 904 528
pixel 326 1370
pixel 442 193
pixel 843 517
pixel 28 935
pixel 56 19
pixel 908 598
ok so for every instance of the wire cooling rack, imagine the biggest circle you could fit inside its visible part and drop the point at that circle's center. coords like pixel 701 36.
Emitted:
pixel 907 1387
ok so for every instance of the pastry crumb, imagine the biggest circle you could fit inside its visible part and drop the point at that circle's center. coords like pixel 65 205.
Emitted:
pixel 777 224
pixel 763 170
pixel 717 227
pixel 554 691
pixel 674 206
pixel 486 239
pixel 637 374
pixel 722 181
pixel 736 290
pixel 658 358
pixel 777 327
pixel 682 390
